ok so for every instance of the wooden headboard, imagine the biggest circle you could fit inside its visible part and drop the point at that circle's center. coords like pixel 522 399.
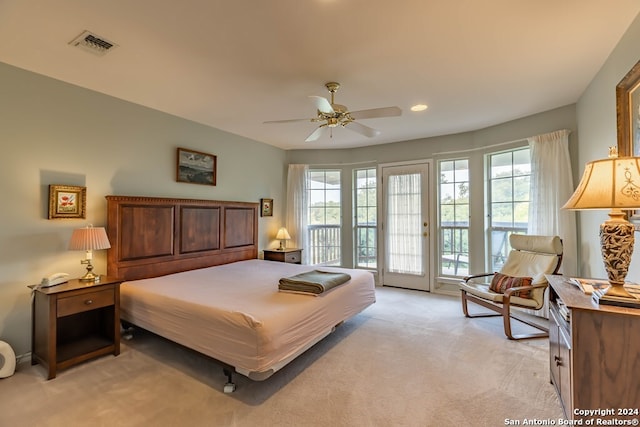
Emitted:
pixel 153 236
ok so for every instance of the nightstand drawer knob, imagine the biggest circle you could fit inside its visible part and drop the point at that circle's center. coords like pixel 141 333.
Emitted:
pixel 88 302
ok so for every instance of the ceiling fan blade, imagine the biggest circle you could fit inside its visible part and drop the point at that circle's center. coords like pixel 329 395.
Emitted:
pixel 315 134
pixel 322 104
pixel 288 121
pixel 363 130
pixel 376 112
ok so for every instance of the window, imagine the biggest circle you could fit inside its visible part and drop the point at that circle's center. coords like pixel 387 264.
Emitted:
pixel 454 217
pixel 324 197
pixel 365 224
pixel 509 176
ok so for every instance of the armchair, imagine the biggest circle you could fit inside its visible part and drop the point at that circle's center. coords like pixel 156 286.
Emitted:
pixel 520 282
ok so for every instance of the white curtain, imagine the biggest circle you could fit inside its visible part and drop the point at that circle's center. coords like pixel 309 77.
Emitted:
pixel 551 187
pixel 297 208
pixel 404 246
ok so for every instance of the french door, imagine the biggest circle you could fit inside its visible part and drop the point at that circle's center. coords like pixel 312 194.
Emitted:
pixel 405 226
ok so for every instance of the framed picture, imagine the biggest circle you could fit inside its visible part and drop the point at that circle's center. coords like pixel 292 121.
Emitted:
pixel 628 113
pixel 67 201
pixel 266 207
pixel 196 167
pixel 628 120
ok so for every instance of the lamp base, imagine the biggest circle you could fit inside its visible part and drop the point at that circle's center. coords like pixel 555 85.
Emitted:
pixel 90 276
pixel 616 244
pixel 616 241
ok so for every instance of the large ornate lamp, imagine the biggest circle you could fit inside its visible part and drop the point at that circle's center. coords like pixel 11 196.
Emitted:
pixel 89 239
pixel 612 183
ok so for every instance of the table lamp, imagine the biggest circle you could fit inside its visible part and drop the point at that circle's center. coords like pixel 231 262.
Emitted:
pixel 612 183
pixel 88 239
pixel 283 236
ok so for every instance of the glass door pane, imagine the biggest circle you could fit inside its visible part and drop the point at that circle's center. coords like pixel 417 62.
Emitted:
pixel 406 226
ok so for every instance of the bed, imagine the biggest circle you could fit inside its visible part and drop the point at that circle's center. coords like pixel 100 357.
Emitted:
pixel 192 276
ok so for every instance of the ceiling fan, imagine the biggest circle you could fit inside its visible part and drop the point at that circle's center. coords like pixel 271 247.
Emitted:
pixel 331 115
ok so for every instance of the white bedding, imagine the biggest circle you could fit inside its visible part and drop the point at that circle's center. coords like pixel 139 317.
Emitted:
pixel 235 314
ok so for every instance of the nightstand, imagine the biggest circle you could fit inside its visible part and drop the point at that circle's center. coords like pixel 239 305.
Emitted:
pixel 288 255
pixel 74 322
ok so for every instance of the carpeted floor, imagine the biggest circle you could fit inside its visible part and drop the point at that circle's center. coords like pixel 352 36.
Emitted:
pixel 411 359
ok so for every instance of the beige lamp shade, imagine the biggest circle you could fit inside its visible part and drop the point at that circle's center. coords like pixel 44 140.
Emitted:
pixel 89 238
pixel 608 183
pixel 283 234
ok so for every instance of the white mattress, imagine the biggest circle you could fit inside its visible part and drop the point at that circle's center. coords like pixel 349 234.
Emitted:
pixel 235 313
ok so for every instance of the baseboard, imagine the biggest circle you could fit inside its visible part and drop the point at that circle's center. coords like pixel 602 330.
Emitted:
pixel 23 358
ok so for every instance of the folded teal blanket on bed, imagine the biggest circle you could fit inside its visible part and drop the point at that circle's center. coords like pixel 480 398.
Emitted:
pixel 313 282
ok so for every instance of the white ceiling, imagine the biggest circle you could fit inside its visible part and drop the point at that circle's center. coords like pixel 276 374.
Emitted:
pixel 233 64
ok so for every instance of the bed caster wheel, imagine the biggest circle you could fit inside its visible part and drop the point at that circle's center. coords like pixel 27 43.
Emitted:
pixel 229 388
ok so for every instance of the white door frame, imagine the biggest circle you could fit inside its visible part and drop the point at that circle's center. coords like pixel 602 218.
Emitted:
pixel 430 243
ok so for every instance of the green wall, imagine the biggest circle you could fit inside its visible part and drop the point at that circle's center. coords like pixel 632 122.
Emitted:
pixel 56 133
pixel 596 112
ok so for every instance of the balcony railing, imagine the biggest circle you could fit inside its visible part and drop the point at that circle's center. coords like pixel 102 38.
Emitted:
pixel 455 247
pixel 324 247
pixel 324 244
pixel 366 241
pixel 454 243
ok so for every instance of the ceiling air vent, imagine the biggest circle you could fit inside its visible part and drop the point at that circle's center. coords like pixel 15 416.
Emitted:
pixel 93 43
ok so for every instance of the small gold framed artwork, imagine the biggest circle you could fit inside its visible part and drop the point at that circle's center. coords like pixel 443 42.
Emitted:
pixel 266 207
pixel 67 201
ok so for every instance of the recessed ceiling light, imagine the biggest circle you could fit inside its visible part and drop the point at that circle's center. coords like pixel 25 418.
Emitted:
pixel 419 107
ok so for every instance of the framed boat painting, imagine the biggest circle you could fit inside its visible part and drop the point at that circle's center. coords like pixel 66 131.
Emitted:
pixel 196 167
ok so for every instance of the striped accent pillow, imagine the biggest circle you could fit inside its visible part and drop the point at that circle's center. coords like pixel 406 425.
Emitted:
pixel 501 282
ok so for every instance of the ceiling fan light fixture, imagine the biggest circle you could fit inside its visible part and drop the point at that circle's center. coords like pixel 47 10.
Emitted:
pixel 419 107
pixel 332 122
pixel 331 115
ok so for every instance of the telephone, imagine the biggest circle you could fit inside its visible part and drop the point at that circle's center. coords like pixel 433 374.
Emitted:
pixel 54 279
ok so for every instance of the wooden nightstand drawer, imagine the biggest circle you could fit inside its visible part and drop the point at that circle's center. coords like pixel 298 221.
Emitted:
pixel 293 257
pixel 85 302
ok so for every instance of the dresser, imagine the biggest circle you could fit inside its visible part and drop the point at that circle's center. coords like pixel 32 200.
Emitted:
pixel 74 322
pixel 594 353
